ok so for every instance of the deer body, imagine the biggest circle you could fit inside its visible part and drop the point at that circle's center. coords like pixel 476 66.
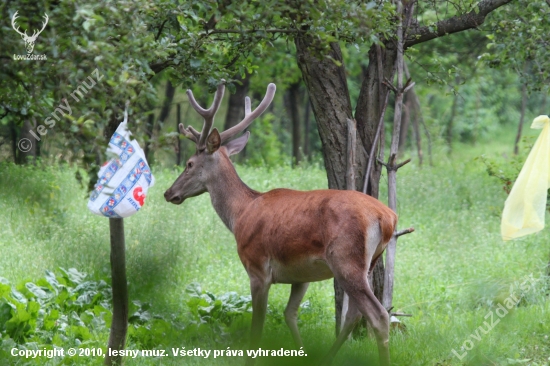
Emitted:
pixel 291 237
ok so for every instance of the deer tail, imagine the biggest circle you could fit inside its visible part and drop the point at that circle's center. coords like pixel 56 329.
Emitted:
pixel 388 223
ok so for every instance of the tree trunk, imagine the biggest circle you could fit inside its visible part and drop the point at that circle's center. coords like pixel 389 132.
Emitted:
pixel 405 123
pixel 28 144
pixel 415 113
pixel 154 127
pixel 521 118
pixel 169 93
pixel 13 140
pixel 149 127
pixel 449 128
pixel 235 108
pixel 307 128
pixel 293 102
pixel 178 139
pixel 416 128
pixel 370 103
pixel 327 86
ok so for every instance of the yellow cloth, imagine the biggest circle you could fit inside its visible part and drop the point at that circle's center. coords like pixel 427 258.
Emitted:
pixel 525 207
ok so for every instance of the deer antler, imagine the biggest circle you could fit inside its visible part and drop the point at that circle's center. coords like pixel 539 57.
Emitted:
pixel 35 34
pixel 190 133
pixel 207 114
pixel 248 115
pixel 13 24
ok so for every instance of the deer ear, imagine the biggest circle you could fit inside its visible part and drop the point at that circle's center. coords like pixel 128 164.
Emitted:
pixel 235 146
pixel 213 141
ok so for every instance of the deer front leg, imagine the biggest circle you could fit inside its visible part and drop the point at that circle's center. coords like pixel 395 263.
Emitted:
pixel 297 293
pixel 259 288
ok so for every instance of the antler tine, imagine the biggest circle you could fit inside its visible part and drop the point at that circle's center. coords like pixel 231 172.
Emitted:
pixel 247 106
pixel 250 116
pixel 45 23
pixel 207 114
pixel 13 19
pixel 194 132
pixel 189 132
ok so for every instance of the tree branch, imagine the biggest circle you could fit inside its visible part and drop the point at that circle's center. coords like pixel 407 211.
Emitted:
pixel 246 31
pixel 459 23
pixel 160 30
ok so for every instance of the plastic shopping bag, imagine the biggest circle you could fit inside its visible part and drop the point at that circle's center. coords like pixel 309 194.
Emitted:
pixel 123 180
pixel 526 205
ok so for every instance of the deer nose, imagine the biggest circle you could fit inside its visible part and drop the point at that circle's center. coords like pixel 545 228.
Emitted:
pixel 172 198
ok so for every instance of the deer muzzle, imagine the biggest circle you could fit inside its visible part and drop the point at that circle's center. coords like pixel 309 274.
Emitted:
pixel 173 198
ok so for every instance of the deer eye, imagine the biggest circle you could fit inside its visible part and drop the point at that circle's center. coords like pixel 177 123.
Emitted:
pixel 189 165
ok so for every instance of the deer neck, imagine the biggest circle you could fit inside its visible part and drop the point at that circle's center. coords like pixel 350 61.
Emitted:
pixel 229 194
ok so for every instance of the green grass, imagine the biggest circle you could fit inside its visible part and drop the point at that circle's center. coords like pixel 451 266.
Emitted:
pixel 450 273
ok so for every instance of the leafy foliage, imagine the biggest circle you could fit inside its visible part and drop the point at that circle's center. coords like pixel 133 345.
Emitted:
pixel 217 316
pixel 264 147
pixel 65 309
pixel 70 310
pixel 518 38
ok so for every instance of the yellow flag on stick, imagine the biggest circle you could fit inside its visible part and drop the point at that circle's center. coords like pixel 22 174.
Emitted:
pixel 525 207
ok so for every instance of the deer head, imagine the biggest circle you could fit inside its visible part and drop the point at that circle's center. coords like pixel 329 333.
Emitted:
pixel 29 40
pixel 212 147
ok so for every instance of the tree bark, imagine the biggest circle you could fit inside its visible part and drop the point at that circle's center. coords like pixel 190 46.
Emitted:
pixel 521 117
pixel 307 128
pixel 370 104
pixel 27 139
pixel 330 101
pixel 405 123
pixel 415 113
pixel 293 102
pixel 450 123
pixel 154 126
pixel 169 93
pixel 149 128
pixel 178 139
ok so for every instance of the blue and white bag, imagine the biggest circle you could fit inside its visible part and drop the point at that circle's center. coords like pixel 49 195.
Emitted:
pixel 123 180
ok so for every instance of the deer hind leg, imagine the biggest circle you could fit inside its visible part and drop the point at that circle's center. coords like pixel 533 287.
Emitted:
pixel 376 315
pixel 351 272
pixel 297 293
pixel 350 318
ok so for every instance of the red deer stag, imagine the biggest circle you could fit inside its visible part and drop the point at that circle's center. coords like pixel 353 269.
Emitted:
pixel 287 236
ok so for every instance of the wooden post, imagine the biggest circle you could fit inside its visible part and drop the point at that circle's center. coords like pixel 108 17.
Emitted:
pixel 392 166
pixel 119 324
pixel 119 286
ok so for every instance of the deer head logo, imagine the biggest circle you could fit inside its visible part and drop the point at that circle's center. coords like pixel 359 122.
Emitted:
pixel 29 40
